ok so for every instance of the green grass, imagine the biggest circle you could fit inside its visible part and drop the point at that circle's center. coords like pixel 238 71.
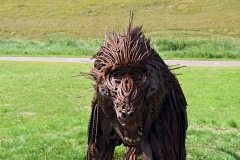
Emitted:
pixel 168 48
pixel 44 111
pixel 89 19
pixel 185 48
pixel 49 47
pixel 214 124
pixel 212 95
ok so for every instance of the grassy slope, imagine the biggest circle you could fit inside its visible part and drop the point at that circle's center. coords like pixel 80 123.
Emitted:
pixel 43 111
pixel 27 19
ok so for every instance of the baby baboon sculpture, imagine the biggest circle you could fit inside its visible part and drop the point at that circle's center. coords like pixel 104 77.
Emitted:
pixel 138 102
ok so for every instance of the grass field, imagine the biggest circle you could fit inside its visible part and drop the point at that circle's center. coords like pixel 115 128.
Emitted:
pixel 44 111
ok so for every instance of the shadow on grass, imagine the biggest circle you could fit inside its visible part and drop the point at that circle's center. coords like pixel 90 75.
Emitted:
pixel 234 155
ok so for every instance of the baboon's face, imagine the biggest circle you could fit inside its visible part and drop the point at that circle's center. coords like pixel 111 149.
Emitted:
pixel 127 86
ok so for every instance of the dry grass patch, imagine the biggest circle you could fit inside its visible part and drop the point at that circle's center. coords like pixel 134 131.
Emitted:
pixel 89 19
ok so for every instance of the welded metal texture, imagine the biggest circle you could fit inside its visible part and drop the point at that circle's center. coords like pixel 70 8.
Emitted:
pixel 138 102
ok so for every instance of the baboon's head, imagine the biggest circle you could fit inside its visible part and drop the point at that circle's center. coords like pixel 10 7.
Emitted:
pixel 128 76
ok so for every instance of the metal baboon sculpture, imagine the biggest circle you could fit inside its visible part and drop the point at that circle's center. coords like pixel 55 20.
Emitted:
pixel 138 102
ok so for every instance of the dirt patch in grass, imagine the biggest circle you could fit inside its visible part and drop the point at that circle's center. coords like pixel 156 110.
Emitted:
pixel 26 113
pixel 216 130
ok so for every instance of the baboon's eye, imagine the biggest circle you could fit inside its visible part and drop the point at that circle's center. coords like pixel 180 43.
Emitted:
pixel 118 74
pixel 136 72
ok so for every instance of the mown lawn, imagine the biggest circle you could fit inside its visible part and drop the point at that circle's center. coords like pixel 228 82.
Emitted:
pixel 44 111
pixel 213 98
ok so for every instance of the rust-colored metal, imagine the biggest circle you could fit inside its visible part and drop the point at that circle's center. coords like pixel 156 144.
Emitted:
pixel 138 102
